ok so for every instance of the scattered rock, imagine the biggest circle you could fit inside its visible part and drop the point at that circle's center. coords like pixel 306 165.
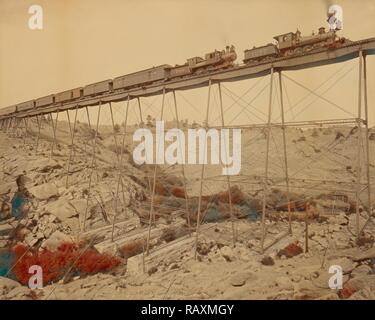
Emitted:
pixel 284 283
pixel 7 285
pixel 356 284
pixel 5 228
pixel 55 240
pixel 361 271
pixel 267 261
pixel 61 209
pixel 369 254
pixel 152 270
pixel 346 264
pixel 329 296
pixel 364 294
pixel 239 279
pixel 227 253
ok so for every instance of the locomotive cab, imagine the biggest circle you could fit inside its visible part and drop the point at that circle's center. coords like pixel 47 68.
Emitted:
pixel 286 40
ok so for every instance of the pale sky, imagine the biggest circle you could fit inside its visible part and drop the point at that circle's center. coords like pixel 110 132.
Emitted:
pixel 85 41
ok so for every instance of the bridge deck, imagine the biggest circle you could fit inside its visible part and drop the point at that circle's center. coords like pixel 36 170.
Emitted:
pixel 308 60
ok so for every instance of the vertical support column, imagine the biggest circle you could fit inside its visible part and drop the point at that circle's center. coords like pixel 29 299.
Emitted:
pixel 119 181
pixel 25 134
pixel 6 125
pixel 88 122
pixel 228 179
pixel 151 215
pixel 140 109
pixel 265 182
pixel 54 128
pixel 285 151
pixel 359 122
pixel 202 174
pixel 69 124
pixel 88 117
pixel 92 166
pixel 118 159
pixel 71 148
pixel 9 125
pixel 183 167
pixel 14 127
pixel 114 131
pixel 38 137
pixel 369 204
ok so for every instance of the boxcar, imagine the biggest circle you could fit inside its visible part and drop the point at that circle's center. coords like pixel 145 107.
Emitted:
pixel 142 77
pixel 258 54
pixel 25 106
pixel 97 88
pixel 68 95
pixel 45 101
pixel 8 110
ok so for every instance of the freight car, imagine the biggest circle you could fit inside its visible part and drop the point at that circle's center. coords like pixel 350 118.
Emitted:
pixel 45 101
pixel 98 88
pixel 215 60
pixel 266 52
pixel 8 111
pixel 69 95
pixel 26 106
pixel 290 44
pixel 143 77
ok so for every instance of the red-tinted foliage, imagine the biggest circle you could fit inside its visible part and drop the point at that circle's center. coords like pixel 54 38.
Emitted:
pixel 291 250
pixel 178 192
pixel 346 292
pixel 160 189
pixel 237 196
pixel 56 263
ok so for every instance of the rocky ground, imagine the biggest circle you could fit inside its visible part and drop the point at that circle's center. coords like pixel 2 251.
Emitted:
pixel 323 168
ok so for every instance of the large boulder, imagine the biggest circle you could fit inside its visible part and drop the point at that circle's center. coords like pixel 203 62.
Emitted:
pixel 61 209
pixel 44 191
pixel 366 255
pixel 6 285
pixel 55 240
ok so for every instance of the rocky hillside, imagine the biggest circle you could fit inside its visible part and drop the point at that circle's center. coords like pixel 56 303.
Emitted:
pixel 78 203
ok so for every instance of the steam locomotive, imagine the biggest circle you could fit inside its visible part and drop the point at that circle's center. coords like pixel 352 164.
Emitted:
pixel 289 44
